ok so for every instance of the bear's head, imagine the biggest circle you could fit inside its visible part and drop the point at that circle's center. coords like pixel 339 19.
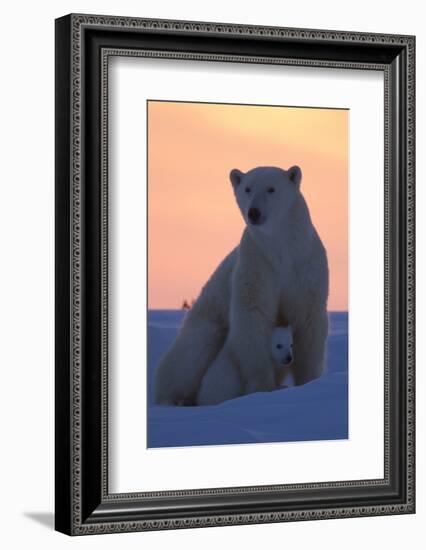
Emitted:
pixel 266 195
pixel 282 346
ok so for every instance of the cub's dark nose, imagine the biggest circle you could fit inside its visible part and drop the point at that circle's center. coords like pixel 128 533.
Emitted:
pixel 289 358
pixel 254 215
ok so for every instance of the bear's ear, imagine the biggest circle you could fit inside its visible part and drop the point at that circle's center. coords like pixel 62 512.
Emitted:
pixel 295 175
pixel 236 176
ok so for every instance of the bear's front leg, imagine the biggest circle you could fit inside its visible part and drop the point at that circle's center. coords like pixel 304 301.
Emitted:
pixel 252 318
pixel 180 371
pixel 309 349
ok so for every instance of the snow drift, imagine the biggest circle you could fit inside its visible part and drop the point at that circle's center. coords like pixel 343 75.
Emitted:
pixel 317 410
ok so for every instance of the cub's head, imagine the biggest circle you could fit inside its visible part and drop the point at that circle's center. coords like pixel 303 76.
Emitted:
pixel 266 195
pixel 282 346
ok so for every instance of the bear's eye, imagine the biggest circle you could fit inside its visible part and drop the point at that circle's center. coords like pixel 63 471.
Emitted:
pixel 279 346
pixel 247 189
pixel 271 190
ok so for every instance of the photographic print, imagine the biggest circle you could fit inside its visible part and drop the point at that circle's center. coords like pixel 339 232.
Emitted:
pixel 247 273
pixel 234 274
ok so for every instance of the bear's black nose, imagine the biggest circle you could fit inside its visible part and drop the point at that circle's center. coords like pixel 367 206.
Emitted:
pixel 289 358
pixel 254 215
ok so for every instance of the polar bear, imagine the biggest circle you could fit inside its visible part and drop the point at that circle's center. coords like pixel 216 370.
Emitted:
pixel 282 355
pixel 222 380
pixel 277 275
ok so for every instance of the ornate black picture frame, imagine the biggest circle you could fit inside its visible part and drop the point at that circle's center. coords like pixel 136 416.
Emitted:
pixel 83 45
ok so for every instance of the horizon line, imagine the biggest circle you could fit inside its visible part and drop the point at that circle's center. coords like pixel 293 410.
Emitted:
pixel 184 309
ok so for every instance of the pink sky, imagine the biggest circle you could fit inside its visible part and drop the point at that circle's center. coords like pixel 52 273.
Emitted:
pixel 193 220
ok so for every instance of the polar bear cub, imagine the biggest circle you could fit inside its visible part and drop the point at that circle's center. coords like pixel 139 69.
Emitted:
pixel 222 380
pixel 282 355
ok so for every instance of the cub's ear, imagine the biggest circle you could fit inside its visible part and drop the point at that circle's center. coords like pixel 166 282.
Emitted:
pixel 236 176
pixel 295 175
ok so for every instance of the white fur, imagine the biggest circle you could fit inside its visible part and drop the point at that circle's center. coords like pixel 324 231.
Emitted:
pixel 282 346
pixel 278 275
pixel 282 355
pixel 222 380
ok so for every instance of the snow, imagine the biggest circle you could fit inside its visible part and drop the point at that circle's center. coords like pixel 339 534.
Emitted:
pixel 316 411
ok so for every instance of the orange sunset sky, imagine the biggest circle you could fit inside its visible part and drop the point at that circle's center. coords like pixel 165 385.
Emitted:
pixel 193 219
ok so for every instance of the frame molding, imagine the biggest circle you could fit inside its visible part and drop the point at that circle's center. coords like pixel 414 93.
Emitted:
pixel 84 44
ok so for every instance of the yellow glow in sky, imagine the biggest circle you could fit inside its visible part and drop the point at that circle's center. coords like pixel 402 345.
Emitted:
pixel 193 219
